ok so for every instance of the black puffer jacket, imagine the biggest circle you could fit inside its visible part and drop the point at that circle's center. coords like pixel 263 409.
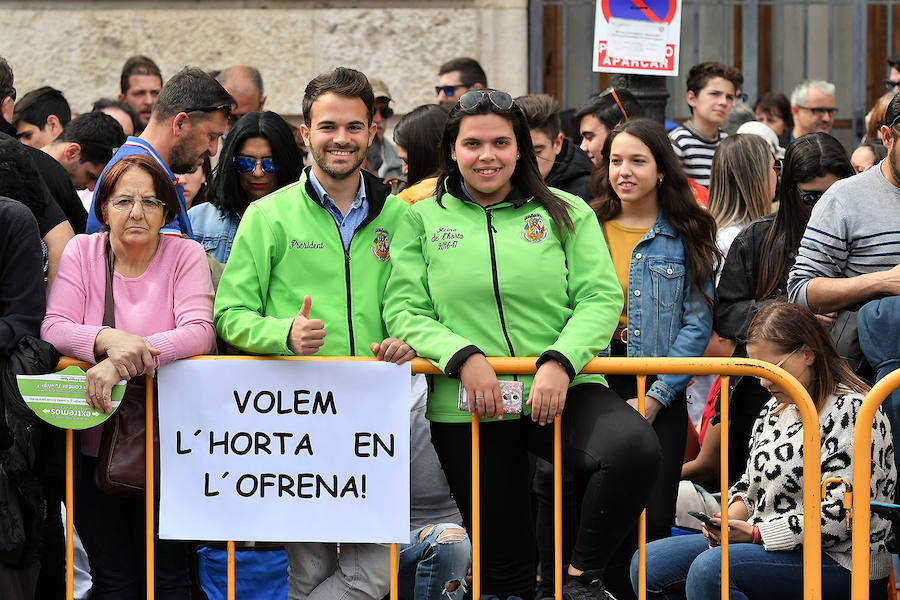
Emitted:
pixel 22 504
pixel 572 171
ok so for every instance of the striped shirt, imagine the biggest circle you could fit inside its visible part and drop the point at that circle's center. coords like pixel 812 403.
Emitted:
pixel 854 229
pixel 695 151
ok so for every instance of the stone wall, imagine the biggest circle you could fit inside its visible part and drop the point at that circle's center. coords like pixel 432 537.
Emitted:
pixel 79 47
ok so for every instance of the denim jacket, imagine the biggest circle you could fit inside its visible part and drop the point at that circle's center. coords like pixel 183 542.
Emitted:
pixel 213 230
pixel 663 317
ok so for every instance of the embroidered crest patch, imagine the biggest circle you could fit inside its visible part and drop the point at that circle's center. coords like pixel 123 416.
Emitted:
pixel 535 231
pixel 381 245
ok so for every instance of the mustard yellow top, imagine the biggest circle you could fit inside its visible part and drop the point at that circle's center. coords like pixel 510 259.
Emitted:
pixel 418 191
pixel 621 241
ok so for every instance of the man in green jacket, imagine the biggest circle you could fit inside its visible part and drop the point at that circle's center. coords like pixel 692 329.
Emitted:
pixel 326 237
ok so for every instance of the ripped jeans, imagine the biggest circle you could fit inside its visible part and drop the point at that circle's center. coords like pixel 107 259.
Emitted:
pixel 435 566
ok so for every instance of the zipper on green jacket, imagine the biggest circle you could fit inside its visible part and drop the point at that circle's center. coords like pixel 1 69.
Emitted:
pixel 346 281
pixel 490 231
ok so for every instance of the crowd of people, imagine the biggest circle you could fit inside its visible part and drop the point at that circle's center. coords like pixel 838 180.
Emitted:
pixel 132 238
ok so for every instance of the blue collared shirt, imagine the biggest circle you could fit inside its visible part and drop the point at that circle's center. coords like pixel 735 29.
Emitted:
pixel 359 210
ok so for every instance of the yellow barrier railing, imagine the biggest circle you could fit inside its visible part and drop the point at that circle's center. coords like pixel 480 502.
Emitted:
pixel 640 367
pixel 862 482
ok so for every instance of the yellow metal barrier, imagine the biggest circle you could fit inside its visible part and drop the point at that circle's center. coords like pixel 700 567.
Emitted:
pixel 640 367
pixel 862 481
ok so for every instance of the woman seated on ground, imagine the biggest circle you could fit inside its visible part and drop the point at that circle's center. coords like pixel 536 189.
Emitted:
pixel 130 335
pixel 418 137
pixel 765 507
pixel 258 157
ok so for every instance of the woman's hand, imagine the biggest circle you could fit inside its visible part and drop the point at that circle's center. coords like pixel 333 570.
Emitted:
pixel 548 392
pixel 130 354
pixel 739 531
pixel 392 350
pixel 482 387
pixel 652 406
pixel 99 383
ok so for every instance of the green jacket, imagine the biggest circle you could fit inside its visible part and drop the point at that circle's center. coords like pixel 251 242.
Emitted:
pixel 287 246
pixel 502 281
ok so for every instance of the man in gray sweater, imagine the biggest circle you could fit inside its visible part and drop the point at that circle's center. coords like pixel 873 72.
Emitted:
pixel 850 252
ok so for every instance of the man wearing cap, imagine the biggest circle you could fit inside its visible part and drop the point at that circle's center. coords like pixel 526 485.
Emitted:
pixel 382 157
pixel 766 133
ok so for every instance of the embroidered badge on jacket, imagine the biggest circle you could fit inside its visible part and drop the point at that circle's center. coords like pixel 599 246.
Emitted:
pixel 535 231
pixel 381 245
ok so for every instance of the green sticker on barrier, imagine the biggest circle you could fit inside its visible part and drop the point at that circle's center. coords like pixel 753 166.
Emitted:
pixel 58 398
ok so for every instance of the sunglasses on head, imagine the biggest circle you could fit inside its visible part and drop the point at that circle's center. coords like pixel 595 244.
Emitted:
pixel 386 112
pixel 474 98
pixel 611 91
pixel 449 90
pixel 246 164
pixel 209 109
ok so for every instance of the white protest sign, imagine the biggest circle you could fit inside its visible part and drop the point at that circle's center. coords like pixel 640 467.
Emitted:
pixel 637 36
pixel 288 451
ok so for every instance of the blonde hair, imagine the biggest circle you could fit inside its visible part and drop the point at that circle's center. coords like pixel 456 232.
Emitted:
pixel 739 190
pixel 875 117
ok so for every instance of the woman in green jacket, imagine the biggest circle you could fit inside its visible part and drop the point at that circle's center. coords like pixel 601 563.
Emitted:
pixel 497 264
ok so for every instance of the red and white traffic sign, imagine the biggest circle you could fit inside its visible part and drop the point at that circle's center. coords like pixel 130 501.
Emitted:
pixel 637 36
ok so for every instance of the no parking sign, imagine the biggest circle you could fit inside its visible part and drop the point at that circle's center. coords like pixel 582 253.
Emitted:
pixel 637 36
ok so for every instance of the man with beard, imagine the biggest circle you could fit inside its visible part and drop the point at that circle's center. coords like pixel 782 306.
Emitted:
pixel 851 248
pixel 326 239
pixel 189 117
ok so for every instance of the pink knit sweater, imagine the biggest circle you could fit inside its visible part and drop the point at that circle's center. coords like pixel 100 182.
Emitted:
pixel 170 304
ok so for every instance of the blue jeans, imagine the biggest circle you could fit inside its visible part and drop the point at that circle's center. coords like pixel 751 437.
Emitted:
pixel 686 567
pixel 430 565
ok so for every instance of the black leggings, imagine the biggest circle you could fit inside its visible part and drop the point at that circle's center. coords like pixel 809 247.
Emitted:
pixel 609 448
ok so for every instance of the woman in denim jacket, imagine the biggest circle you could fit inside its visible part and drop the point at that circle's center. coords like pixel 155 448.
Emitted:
pixel 663 246
pixel 258 157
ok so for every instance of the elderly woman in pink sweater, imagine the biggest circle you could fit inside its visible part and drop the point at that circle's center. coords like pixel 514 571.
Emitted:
pixel 162 299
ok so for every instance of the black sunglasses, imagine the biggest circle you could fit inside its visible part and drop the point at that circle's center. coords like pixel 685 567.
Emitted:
pixel 819 111
pixel 449 90
pixel 809 197
pixel 474 98
pixel 386 112
pixel 891 86
pixel 209 109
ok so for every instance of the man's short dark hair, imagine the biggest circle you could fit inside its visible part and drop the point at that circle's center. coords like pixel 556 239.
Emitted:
pixel 470 72
pixel 605 109
pixel 343 82
pixel 700 74
pixel 894 61
pixel 190 88
pixel 138 65
pixel 98 134
pixel 37 105
pixel 102 103
pixel 541 113
pixel 7 81
pixel 892 113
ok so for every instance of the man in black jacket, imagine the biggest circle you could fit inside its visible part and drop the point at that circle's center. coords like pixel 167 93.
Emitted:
pixel 562 164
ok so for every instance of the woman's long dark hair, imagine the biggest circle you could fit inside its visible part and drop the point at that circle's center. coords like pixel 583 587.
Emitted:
pixel 526 176
pixel 809 156
pixel 226 192
pixel 694 225
pixel 419 133
pixel 790 327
